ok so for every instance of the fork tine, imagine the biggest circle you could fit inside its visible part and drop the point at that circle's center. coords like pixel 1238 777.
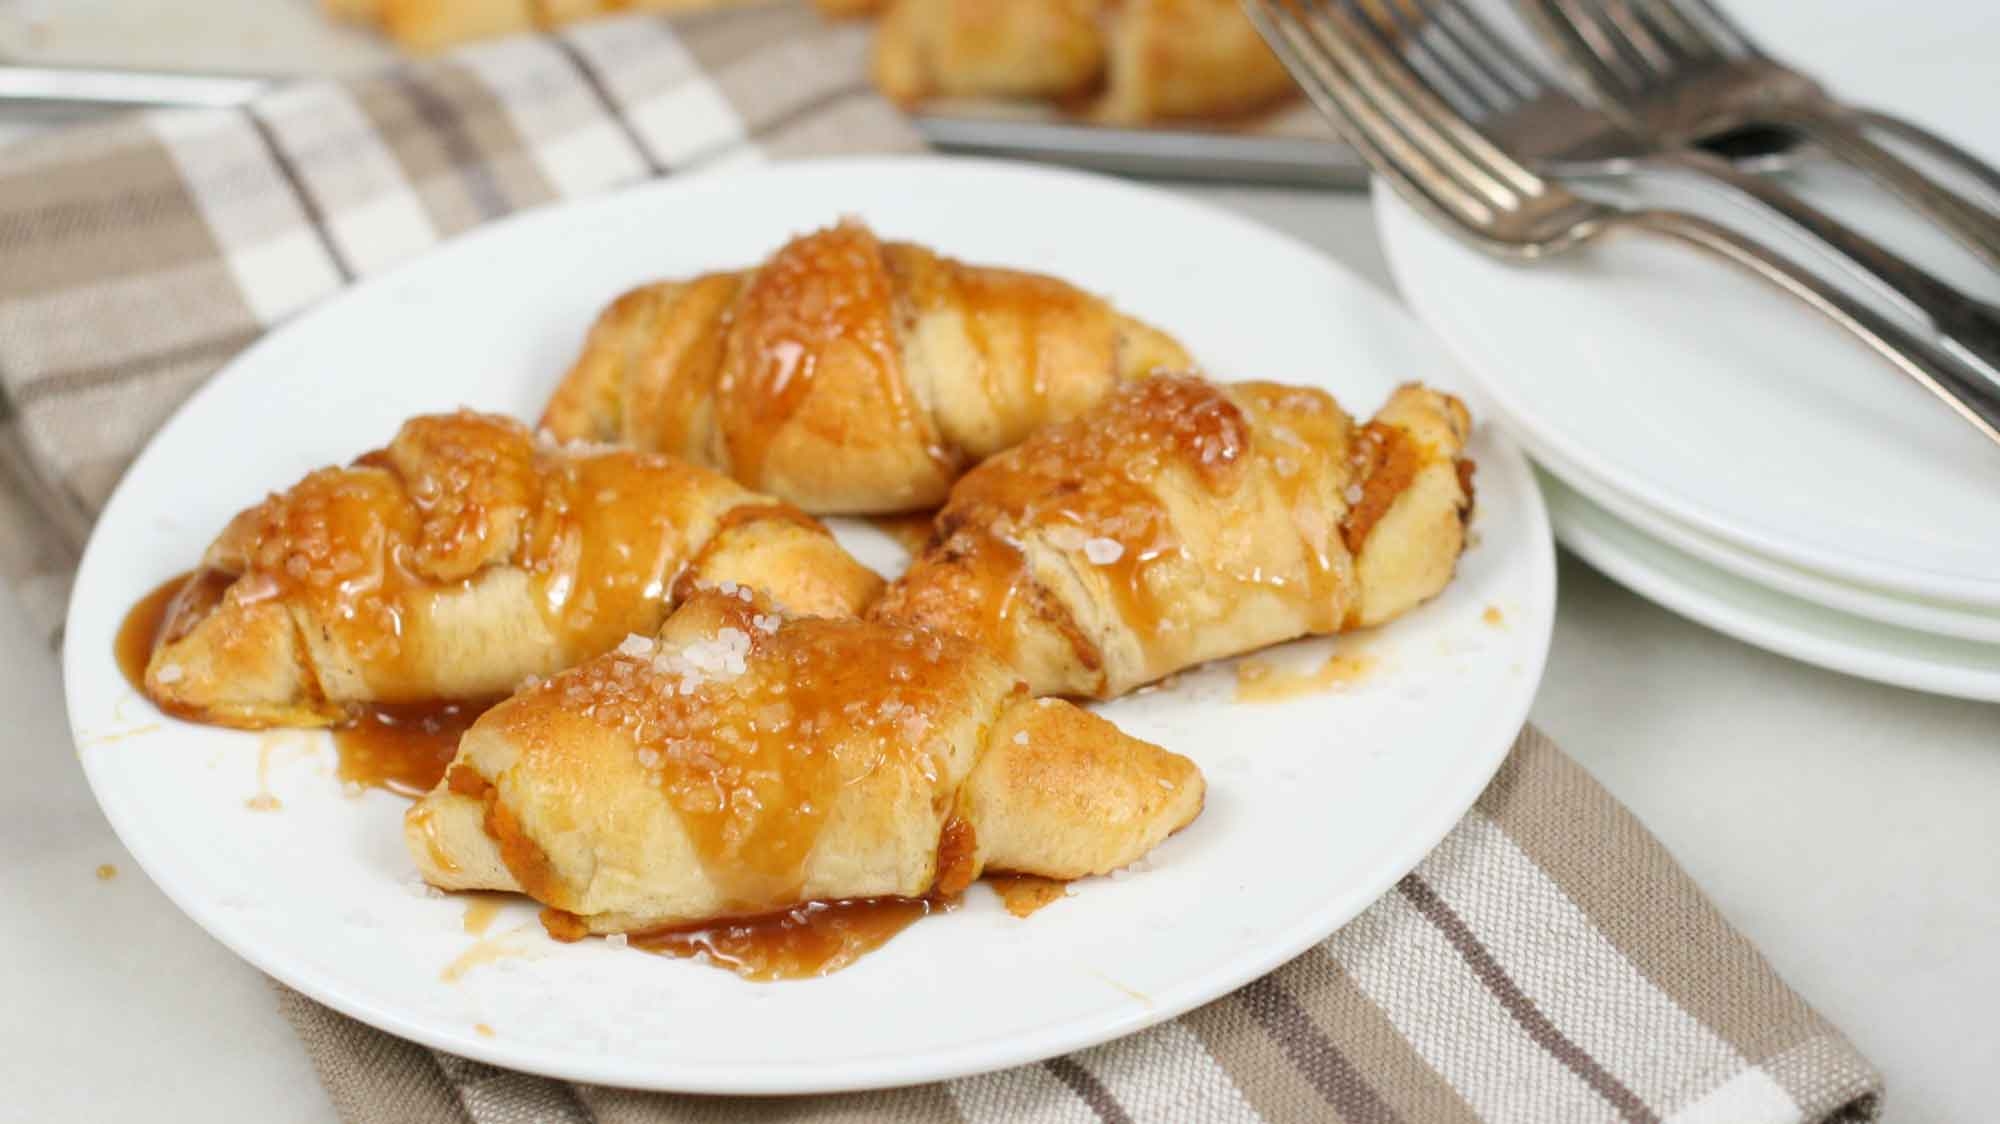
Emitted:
pixel 1725 30
pixel 1468 85
pixel 1674 31
pixel 1601 57
pixel 1633 35
pixel 1470 93
pixel 1478 41
pixel 1344 30
pixel 1361 123
pixel 1434 39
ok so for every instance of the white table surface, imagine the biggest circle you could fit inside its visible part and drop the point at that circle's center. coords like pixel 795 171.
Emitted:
pixel 1851 830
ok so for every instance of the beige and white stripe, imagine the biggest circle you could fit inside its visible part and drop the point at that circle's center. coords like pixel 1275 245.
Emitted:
pixel 1548 962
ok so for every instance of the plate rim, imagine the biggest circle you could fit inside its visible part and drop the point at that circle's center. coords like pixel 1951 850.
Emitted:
pixel 1441 811
pixel 1748 566
pixel 1715 611
pixel 1976 593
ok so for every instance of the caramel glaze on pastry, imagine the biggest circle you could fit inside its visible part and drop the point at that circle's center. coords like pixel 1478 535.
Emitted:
pixel 1182 521
pixel 461 559
pixel 848 375
pixel 743 762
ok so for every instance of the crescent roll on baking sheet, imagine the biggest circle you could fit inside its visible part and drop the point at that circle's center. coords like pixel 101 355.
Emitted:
pixel 461 559
pixel 1128 61
pixel 846 374
pixel 989 48
pixel 432 25
pixel 744 761
pixel 1182 521
pixel 1171 59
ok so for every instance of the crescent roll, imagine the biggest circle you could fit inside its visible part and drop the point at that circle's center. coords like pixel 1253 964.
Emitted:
pixel 744 762
pixel 1188 58
pixel 1138 60
pixel 433 25
pixel 1182 521
pixel 988 48
pixel 845 374
pixel 461 559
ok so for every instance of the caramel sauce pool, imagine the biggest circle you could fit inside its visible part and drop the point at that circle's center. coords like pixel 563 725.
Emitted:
pixel 139 633
pixel 1259 681
pixel 405 747
pixel 816 939
pixel 1025 894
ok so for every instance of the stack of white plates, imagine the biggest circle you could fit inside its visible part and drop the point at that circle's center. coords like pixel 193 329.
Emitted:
pixel 1721 450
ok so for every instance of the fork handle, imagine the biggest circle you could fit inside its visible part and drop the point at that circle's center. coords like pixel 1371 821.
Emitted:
pixel 1940 148
pixel 1840 133
pixel 1964 321
pixel 1976 400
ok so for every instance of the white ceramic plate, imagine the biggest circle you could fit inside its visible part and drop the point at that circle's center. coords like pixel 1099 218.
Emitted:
pixel 1905 613
pixel 1757 615
pixel 1717 401
pixel 1316 806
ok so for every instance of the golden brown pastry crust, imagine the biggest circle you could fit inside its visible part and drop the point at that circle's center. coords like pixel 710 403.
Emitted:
pixel 1140 60
pixel 432 25
pixel 988 48
pixel 1182 521
pixel 1188 59
pixel 462 558
pixel 847 375
pixel 743 762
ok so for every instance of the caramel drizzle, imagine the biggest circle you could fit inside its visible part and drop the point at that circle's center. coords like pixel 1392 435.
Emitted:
pixel 1385 461
pixel 752 732
pixel 823 299
pixel 366 554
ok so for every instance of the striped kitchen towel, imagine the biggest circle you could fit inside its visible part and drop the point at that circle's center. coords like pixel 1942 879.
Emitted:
pixel 1548 962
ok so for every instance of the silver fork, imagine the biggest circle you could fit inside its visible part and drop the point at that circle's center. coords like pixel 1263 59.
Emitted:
pixel 1505 95
pixel 1678 71
pixel 1344 54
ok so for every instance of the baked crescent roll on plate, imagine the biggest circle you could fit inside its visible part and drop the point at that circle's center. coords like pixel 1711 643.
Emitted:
pixel 846 374
pixel 461 559
pixel 1181 521
pixel 743 762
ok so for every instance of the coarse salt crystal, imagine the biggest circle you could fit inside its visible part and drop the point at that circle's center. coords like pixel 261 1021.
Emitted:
pixel 1167 784
pixel 1353 493
pixel 1021 738
pixel 617 940
pixel 169 673
pixel 635 645
pixel 1103 551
